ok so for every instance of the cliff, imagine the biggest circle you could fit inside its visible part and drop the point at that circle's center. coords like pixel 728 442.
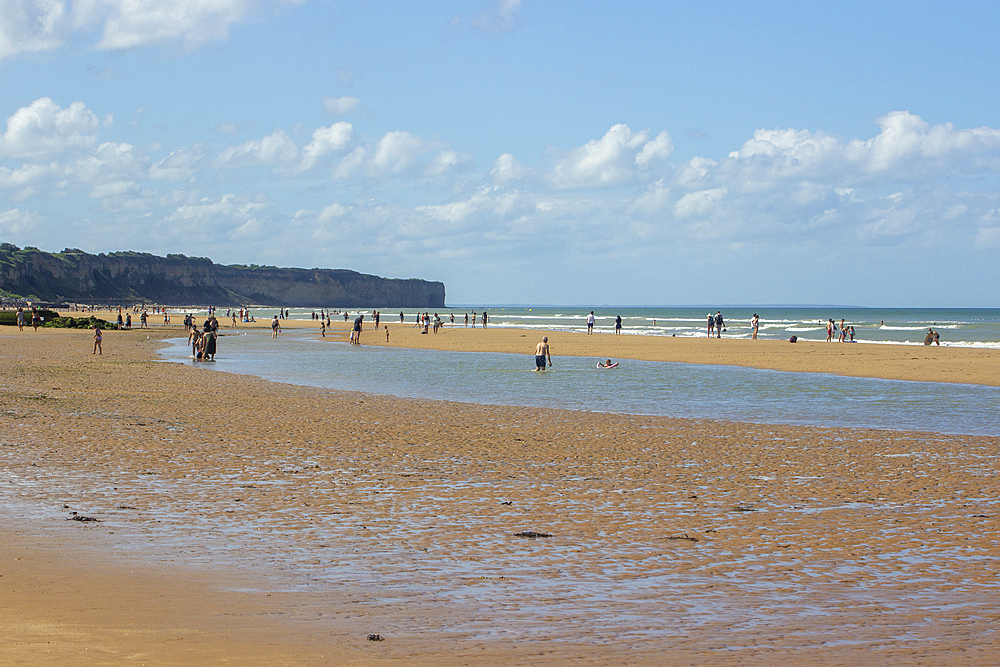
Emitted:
pixel 131 277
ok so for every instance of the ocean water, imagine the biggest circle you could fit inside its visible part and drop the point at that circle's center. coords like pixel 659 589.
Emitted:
pixel 957 327
pixel 635 387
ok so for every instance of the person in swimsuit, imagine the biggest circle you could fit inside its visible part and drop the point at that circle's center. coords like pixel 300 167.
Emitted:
pixel 541 353
pixel 274 327
pixel 98 335
pixel 590 323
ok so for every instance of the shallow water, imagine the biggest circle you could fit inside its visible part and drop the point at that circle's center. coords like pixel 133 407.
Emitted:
pixel 635 387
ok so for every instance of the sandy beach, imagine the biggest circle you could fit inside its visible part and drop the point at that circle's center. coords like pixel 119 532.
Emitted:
pixel 238 521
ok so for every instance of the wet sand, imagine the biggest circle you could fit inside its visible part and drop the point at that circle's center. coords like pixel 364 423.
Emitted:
pixel 248 522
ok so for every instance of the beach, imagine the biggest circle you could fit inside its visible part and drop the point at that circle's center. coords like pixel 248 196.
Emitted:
pixel 240 521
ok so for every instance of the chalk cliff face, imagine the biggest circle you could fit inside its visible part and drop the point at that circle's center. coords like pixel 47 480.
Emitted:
pixel 75 276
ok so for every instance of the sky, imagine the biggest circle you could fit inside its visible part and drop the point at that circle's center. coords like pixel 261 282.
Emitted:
pixel 520 151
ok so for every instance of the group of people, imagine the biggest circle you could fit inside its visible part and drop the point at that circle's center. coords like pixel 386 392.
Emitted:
pixel 203 341
pixel 841 333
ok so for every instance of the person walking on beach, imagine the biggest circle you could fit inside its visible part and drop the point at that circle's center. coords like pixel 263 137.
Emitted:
pixel 755 324
pixel 20 319
pixel 98 336
pixel 829 330
pixel 719 324
pixel 274 327
pixel 542 353
pixel 590 323
pixel 711 324
pixel 618 325
pixel 485 319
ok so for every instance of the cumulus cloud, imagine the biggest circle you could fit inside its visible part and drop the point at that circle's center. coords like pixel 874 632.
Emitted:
pixel 180 165
pixel 659 148
pixel 275 149
pixel 28 26
pixel 449 161
pixel 128 24
pixel 326 141
pixel 906 148
pixel 15 222
pixel 610 160
pixel 224 211
pixel 397 151
pixel 340 105
pixel 506 168
pixel 43 128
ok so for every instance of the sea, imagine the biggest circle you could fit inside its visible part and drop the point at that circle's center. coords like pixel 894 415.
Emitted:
pixel 641 387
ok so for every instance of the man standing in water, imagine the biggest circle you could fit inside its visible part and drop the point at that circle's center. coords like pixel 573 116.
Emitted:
pixel 541 353
pixel 590 323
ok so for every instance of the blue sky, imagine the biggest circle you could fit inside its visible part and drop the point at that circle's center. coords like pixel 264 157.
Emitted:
pixel 520 151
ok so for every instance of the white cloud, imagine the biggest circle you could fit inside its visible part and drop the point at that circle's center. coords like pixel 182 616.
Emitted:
pixel 610 160
pixel 448 161
pixel 340 105
pixel 700 203
pixel 325 141
pixel 506 168
pixel 29 26
pixel 227 207
pixel 129 24
pixel 15 222
pixel 397 151
pixel 43 128
pixel 332 212
pixel 275 149
pixel 659 148
pixel 350 163
pixel 180 165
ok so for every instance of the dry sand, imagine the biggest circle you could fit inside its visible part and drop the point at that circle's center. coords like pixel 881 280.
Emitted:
pixel 248 522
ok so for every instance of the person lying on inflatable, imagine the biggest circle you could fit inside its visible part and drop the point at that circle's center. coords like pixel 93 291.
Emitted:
pixel 607 364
